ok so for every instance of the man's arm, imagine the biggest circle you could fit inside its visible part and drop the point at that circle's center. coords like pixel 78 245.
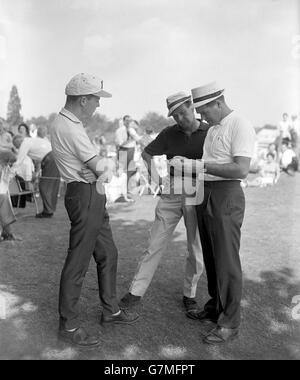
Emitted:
pixel 96 169
pixel 238 169
pixel 149 162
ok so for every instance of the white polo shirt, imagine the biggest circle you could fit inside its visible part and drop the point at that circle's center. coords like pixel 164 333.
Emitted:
pixel 234 136
pixel 36 148
pixel 71 146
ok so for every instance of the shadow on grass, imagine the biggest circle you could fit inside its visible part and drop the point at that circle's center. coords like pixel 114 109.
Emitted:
pixel 29 285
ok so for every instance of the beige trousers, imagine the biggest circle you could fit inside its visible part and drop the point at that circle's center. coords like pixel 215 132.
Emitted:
pixel 168 213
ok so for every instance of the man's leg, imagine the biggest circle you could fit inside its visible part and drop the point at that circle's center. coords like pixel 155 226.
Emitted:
pixel 83 236
pixel 229 206
pixel 204 214
pixel 49 186
pixel 194 260
pixel 7 217
pixel 106 257
pixel 168 214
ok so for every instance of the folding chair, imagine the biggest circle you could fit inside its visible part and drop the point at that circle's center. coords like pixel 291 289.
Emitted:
pixel 154 190
pixel 15 189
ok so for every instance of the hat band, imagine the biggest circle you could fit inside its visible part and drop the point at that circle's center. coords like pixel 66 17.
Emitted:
pixel 197 100
pixel 178 101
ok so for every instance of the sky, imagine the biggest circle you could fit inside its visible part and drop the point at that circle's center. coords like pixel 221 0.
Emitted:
pixel 145 50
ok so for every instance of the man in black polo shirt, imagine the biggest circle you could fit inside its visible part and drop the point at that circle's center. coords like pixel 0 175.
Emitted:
pixel 185 139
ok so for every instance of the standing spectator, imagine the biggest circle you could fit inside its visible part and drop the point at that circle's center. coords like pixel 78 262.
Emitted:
pixel 284 127
pixel 228 149
pixel 85 201
pixel 40 151
pixel 126 138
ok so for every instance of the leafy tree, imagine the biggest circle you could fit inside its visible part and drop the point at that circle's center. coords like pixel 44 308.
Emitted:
pixel 14 117
pixel 155 121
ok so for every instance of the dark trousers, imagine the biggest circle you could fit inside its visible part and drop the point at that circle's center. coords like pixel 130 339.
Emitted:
pixel 126 159
pixel 90 235
pixel 49 187
pixel 220 219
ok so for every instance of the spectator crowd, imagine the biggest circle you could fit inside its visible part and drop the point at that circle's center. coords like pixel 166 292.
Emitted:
pixel 26 156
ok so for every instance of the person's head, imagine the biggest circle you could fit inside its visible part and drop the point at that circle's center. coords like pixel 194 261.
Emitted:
pixel 210 103
pixel 182 110
pixel 272 148
pixel 83 95
pixel 149 130
pixel 127 120
pixel 42 131
pixel 17 141
pixel 7 158
pixel 284 146
pixel 270 157
pixel 294 117
pixel 285 116
pixel 24 130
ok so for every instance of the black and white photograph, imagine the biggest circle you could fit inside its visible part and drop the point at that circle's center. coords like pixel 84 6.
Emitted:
pixel 149 182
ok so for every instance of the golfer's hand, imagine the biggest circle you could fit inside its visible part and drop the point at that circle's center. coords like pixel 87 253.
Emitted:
pixel 88 175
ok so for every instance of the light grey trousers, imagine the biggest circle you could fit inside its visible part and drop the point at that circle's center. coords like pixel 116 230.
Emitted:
pixel 168 213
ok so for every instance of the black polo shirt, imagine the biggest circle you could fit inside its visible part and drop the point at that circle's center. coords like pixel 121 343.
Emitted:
pixel 173 141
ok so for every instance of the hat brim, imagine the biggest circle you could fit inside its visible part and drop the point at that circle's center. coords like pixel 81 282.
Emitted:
pixel 103 94
pixel 203 102
pixel 172 109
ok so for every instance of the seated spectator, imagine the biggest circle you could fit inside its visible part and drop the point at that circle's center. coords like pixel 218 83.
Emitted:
pixel 25 173
pixel 5 138
pixel 269 173
pixel 288 159
pixel 7 217
pixel 272 149
pixel 24 130
pixel 117 187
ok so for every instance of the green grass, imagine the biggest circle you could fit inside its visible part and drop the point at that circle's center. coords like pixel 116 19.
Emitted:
pixel 30 273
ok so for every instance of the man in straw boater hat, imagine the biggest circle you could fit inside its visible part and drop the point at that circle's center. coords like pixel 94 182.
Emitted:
pixel 85 201
pixel 227 153
pixel 185 139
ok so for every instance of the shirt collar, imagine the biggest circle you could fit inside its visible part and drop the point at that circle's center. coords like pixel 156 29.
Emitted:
pixel 226 118
pixel 200 128
pixel 70 116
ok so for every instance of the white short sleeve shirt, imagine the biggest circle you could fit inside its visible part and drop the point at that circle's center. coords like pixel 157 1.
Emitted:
pixel 71 146
pixel 234 136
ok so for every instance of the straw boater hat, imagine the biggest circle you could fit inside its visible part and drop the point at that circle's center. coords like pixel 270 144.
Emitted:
pixel 86 84
pixel 206 94
pixel 176 100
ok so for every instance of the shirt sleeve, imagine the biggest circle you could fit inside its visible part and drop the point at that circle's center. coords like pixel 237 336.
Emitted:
pixel 243 140
pixel 158 146
pixel 23 151
pixel 132 132
pixel 84 149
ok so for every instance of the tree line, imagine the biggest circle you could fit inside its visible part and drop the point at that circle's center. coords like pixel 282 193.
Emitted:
pixel 99 125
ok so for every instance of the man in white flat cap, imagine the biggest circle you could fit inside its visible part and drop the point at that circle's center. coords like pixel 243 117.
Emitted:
pixel 90 234
pixel 227 153
pixel 185 139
